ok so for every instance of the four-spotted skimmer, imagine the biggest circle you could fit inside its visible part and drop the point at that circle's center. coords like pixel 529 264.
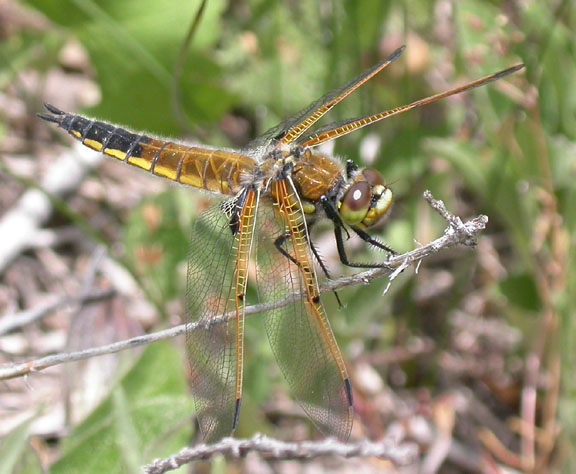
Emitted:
pixel 277 187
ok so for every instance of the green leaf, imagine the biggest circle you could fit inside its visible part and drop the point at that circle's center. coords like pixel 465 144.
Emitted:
pixel 13 447
pixel 133 46
pixel 521 291
pixel 150 406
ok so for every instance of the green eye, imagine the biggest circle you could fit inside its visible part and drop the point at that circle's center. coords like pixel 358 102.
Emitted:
pixel 383 201
pixel 355 203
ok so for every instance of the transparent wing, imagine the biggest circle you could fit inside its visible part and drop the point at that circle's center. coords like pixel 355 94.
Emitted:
pixel 299 333
pixel 217 271
pixel 337 129
pixel 291 128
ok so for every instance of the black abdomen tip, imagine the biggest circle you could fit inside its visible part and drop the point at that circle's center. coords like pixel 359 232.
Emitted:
pixel 56 118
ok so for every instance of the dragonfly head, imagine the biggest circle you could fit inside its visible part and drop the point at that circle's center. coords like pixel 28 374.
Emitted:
pixel 367 199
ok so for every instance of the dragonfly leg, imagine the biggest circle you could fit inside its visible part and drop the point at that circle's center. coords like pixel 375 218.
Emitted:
pixel 233 208
pixel 279 242
pixel 351 169
pixel 332 214
pixel 325 270
pixel 344 257
pixel 366 237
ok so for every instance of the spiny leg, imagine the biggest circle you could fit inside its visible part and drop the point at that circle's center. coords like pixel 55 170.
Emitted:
pixel 333 215
pixel 279 242
pixel 366 237
pixel 344 257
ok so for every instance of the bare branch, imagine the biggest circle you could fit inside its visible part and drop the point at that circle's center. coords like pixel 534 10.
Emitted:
pixel 456 224
pixel 456 233
pixel 270 448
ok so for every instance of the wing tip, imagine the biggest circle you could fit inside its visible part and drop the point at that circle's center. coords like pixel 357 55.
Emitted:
pixel 348 388
pixel 236 414
pixel 396 53
pixel 509 70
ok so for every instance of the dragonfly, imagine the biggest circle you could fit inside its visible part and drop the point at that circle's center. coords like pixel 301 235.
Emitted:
pixel 272 192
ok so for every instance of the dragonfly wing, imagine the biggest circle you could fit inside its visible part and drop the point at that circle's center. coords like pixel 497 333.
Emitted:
pixel 290 129
pixel 217 272
pixel 299 333
pixel 337 129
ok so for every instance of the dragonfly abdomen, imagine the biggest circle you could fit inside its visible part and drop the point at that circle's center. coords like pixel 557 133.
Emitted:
pixel 205 168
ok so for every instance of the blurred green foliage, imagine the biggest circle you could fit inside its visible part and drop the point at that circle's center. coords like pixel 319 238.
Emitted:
pixel 133 46
pixel 140 420
pixel 507 150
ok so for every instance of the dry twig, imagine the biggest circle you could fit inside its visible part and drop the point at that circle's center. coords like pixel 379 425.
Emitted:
pixel 399 454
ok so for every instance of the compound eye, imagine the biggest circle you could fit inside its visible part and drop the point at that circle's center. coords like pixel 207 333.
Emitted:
pixel 355 203
pixel 373 176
